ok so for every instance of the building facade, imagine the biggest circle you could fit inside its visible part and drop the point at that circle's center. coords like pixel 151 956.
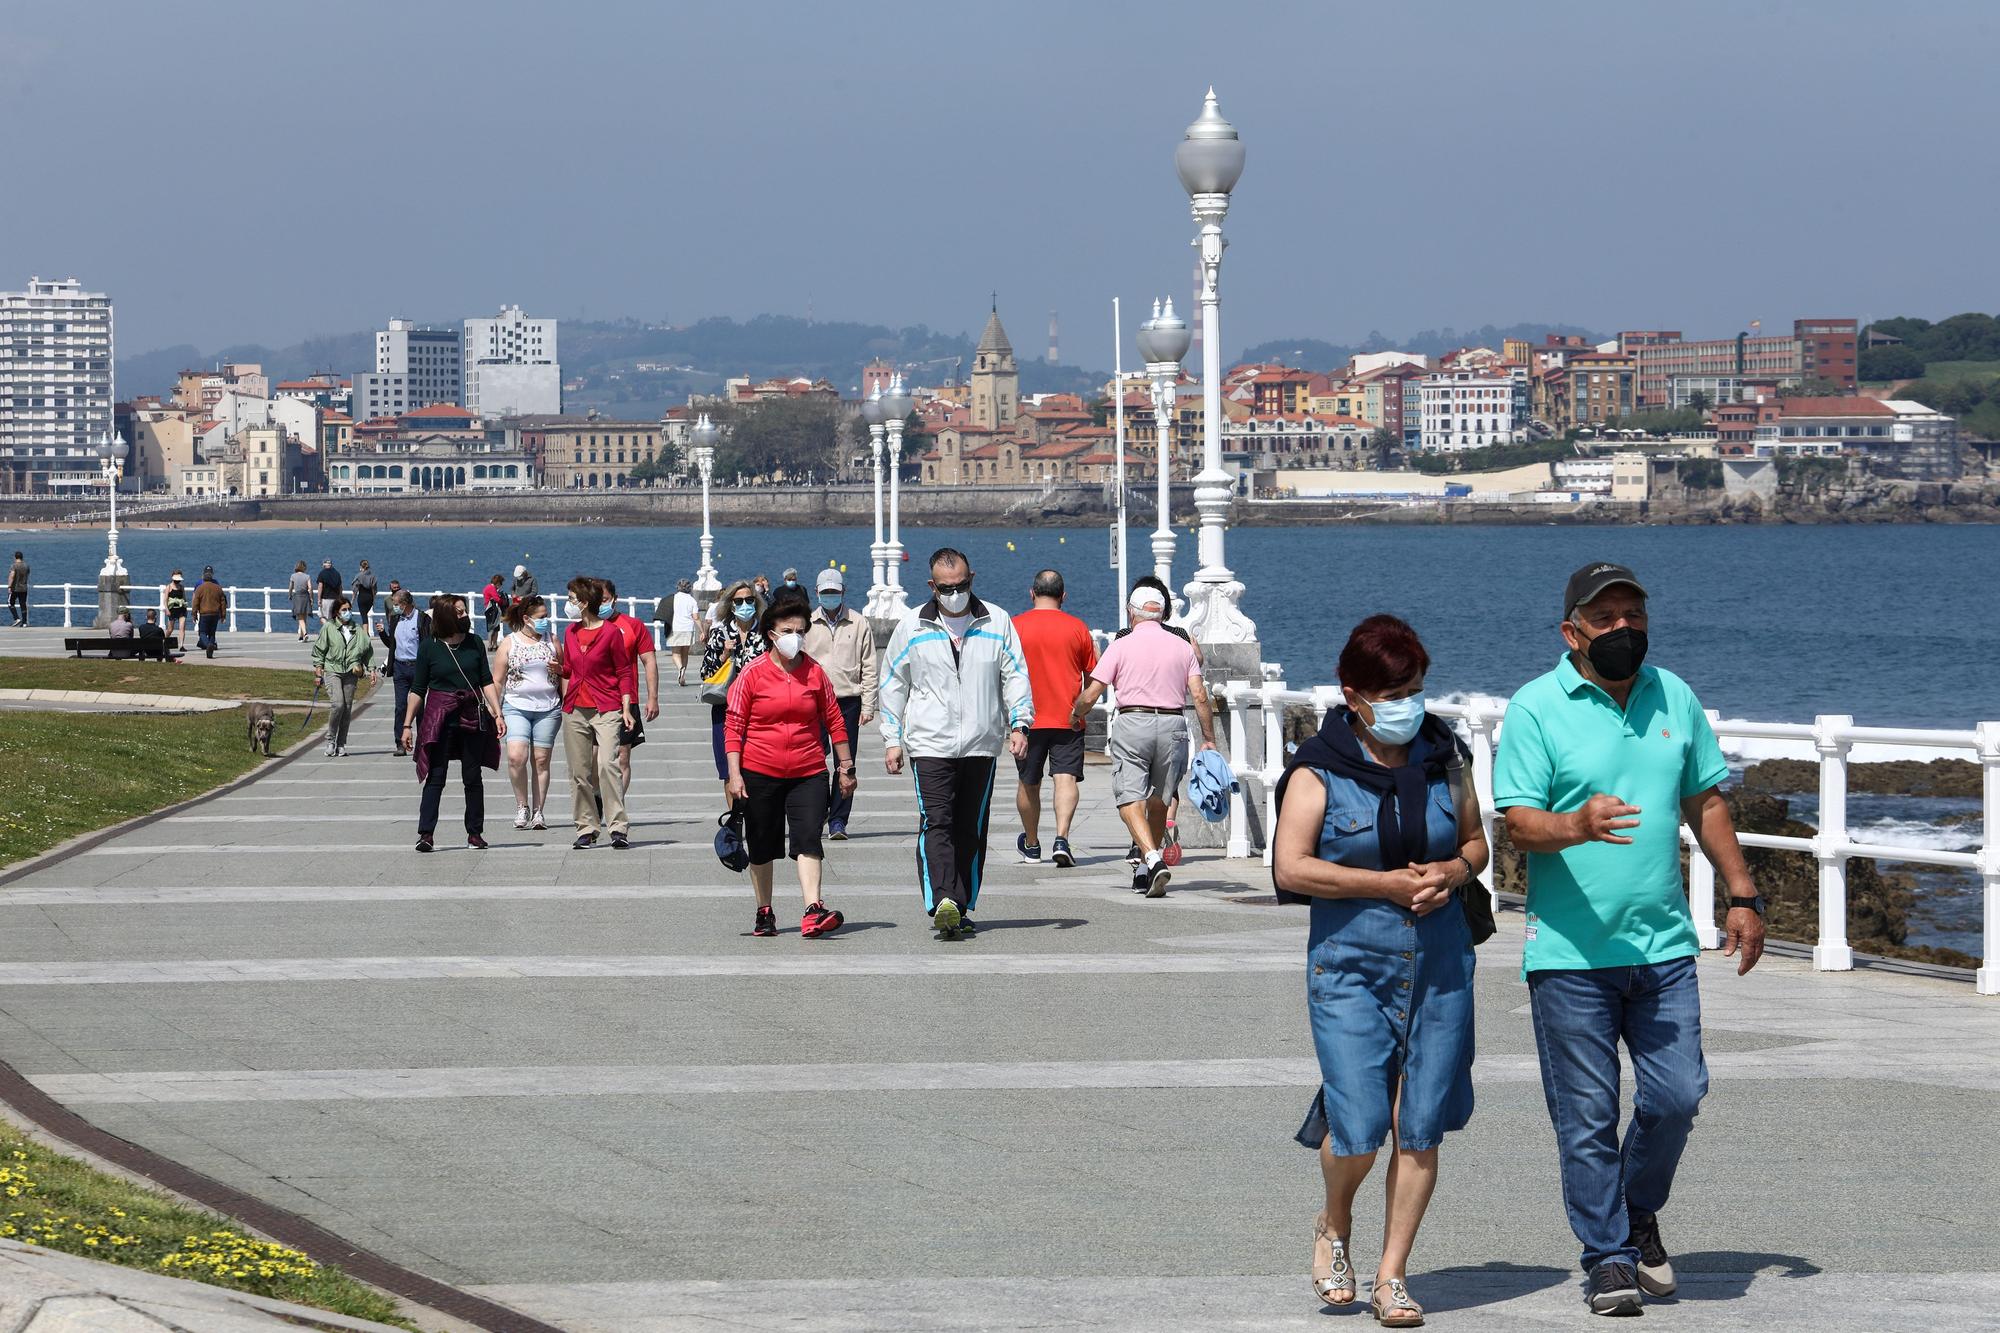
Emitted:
pixel 1819 348
pixel 56 347
pixel 511 366
pixel 589 453
pixel 415 366
pixel 1898 437
pixel 1466 409
pixel 996 381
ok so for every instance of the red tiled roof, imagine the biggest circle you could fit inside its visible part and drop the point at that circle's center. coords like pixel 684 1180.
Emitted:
pixel 436 410
pixel 1836 407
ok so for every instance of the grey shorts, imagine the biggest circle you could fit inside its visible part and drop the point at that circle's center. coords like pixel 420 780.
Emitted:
pixel 1149 756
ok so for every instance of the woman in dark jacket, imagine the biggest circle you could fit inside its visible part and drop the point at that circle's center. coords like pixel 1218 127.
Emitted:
pixel 452 686
pixel 735 638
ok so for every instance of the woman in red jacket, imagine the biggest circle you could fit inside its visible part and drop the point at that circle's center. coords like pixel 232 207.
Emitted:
pixel 779 706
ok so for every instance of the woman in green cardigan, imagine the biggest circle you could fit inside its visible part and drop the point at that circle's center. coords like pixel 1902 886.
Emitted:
pixel 340 657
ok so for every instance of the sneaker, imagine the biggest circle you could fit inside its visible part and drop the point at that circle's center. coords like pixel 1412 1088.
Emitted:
pixel 1612 1288
pixel 475 842
pixel 536 820
pixel 341 753
pixel 766 924
pixel 1031 852
pixel 1142 880
pixel 966 929
pixel 819 920
pixel 1656 1270
pixel 520 816
pixel 1171 852
pixel 947 918
pixel 331 750
pixel 584 840
pixel 1157 875
pixel 1060 853
pixel 423 842
pixel 620 842
pixel 837 830
pixel 1134 857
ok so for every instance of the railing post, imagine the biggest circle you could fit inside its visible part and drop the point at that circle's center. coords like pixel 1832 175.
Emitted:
pixel 234 593
pixel 1987 979
pixel 1701 880
pixel 1274 761
pixel 1482 729
pixel 66 606
pixel 1831 952
pixel 1239 759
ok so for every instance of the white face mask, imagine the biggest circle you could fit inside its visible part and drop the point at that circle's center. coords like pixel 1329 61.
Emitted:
pixel 789 643
pixel 954 603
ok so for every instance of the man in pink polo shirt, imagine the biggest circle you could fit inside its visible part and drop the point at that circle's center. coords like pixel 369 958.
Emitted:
pixel 1155 672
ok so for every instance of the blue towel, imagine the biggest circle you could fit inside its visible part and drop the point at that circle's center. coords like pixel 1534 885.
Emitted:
pixel 1210 782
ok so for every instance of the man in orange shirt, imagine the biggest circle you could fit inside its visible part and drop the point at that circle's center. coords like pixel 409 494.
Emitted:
pixel 1060 654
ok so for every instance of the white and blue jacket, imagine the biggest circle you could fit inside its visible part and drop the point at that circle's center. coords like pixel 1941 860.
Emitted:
pixel 941 700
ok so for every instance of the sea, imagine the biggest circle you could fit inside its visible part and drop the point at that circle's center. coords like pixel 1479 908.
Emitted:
pixel 1896 625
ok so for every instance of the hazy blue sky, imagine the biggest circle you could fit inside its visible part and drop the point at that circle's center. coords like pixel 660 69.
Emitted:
pixel 266 171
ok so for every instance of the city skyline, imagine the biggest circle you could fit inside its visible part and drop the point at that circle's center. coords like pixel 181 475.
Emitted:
pixel 1448 166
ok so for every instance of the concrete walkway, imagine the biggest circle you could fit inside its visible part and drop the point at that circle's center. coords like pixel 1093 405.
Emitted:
pixel 572 1082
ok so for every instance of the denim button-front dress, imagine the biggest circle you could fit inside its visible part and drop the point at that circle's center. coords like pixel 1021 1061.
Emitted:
pixel 1390 992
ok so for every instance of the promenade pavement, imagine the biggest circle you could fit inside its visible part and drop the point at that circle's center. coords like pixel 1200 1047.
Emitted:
pixel 572 1081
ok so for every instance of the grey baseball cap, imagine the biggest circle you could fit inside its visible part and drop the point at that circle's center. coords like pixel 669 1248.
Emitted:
pixel 830 580
pixel 1584 585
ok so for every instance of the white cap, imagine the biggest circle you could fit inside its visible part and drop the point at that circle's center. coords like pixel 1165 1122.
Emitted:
pixel 520 570
pixel 1147 598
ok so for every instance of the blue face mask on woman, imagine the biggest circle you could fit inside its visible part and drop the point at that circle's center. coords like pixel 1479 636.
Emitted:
pixel 608 610
pixel 744 611
pixel 542 626
pixel 1397 720
pixel 346 617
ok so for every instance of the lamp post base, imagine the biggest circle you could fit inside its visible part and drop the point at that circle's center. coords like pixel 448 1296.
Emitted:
pixel 113 597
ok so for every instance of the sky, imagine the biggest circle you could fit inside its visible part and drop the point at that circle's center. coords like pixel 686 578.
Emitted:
pixel 235 172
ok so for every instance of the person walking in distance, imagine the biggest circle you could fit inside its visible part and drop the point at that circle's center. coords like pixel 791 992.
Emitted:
pixel 645 668
pixel 843 645
pixel 300 592
pixel 531 705
pixel 1060 654
pixel 780 708
pixel 175 599
pixel 340 658
pixel 330 586
pixel 364 597
pixel 1599 763
pixel 955 693
pixel 210 604
pixel 493 606
pixel 403 634
pixel 17 589
pixel 595 671
pixel 524 583
pixel 452 688
pixel 1156 674
pixel 677 613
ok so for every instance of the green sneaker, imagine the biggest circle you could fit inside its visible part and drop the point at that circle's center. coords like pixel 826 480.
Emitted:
pixel 946 918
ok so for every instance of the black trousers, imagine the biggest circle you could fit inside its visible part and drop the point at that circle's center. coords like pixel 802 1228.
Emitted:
pixel 954 797
pixel 838 807
pixel 404 671
pixel 454 744
pixel 17 602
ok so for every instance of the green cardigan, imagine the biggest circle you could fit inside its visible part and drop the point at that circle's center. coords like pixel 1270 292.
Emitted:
pixel 347 655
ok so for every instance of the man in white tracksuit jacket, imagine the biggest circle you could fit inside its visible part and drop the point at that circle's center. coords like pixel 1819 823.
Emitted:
pixel 954 692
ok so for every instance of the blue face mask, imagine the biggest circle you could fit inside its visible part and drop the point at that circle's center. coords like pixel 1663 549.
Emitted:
pixel 347 617
pixel 1397 720
pixel 830 601
pixel 608 610
pixel 744 611
pixel 542 626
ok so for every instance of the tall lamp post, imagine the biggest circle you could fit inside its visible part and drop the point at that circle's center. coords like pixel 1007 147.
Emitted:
pixel 111 580
pixel 706 585
pixel 896 406
pixel 1163 341
pixel 878 553
pixel 1210 160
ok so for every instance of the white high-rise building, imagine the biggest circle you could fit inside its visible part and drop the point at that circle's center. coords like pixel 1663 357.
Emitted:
pixel 511 366
pixel 1466 409
pixel 55 385
pixel 414 367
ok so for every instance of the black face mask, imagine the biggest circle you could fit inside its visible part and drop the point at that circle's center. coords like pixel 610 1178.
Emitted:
pixel 1618 654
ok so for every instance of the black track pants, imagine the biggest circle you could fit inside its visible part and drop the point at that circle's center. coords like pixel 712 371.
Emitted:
pixel 953 798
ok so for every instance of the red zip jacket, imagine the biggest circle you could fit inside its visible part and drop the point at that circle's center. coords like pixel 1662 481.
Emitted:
pixel 598 669
pixel 776 718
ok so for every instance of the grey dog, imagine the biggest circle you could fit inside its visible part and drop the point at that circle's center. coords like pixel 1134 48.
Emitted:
pixel 262 723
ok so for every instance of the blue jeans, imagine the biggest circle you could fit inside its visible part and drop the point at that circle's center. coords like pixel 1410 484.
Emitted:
pixel 838 807
pixel 1580 1016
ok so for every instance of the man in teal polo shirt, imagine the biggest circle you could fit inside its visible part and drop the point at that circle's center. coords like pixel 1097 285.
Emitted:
pixel 1600 760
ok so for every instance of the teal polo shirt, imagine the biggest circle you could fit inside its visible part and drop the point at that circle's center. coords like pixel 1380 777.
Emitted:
pixel 1564 740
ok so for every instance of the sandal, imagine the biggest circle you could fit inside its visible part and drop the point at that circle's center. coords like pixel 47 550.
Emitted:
pixel 1332 1274
pixel 1393 1307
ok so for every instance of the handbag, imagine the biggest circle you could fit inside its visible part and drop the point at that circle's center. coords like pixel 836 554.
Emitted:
pixel 715 688
pixel 1473 899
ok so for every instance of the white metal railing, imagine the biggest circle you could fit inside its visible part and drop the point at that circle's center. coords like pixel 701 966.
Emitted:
pixel 1832 738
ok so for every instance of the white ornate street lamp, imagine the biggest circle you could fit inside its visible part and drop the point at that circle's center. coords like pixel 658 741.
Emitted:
pixel 706 584
pixel 1210 160
pixel 111 580
pixel 896 406
pixel 878 552
pixel 1163 341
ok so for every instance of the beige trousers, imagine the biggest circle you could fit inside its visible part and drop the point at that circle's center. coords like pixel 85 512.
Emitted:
pixel 590 746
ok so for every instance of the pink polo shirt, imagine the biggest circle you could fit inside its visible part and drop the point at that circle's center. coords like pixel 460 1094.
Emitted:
pixel 1150 667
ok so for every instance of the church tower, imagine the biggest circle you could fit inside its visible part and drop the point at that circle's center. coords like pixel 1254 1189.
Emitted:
pixel 996 383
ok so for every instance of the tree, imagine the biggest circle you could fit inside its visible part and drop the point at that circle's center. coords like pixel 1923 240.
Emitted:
pixel 1813 386
pixel 788 436
pixel 1699 401
pixel 1385 443
pixel 1890 363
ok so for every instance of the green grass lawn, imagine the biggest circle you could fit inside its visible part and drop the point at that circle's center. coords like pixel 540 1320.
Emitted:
pixel 57 1203
pixel 69 773
pixel 1962 370
pixel 206 682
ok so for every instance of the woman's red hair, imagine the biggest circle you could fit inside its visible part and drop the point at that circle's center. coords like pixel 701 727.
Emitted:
pixel 1382 653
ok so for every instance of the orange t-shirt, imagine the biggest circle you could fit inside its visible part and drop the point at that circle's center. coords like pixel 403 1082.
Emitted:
pixel 1060 654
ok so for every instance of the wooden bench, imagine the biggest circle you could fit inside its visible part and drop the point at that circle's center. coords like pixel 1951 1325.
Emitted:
pixel 122 649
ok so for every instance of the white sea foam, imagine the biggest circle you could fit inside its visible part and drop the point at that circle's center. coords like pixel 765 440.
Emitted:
pixel 1916 833
pixel 1749 750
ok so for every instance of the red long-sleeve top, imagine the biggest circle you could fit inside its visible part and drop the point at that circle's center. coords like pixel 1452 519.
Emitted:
pixel 597 669
pixel 776 718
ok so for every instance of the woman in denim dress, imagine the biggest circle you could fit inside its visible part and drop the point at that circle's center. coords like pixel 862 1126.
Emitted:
pixel 1377 826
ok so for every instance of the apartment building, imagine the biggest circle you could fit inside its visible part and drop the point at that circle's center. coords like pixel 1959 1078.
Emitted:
pixel 56 347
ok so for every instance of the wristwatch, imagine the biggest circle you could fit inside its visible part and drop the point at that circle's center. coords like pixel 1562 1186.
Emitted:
pixel 1755 903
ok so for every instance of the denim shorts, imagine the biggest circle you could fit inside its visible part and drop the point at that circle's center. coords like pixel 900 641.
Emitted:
pixel 539 725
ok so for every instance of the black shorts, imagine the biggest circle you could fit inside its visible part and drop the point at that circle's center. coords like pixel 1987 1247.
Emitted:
pixel 634 734
pixel 1058 749
pixel 779 804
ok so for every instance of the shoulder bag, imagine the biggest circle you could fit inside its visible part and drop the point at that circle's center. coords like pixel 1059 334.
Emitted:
pixel 1471 895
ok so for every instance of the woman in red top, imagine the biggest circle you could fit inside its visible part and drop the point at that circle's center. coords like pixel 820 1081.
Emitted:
pixel 779 707
pixel 597 685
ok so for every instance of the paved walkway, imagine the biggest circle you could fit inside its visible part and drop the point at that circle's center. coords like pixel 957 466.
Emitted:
pixel 571 1081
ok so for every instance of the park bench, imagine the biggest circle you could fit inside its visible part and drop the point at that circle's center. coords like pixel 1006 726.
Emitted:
pixel 125 649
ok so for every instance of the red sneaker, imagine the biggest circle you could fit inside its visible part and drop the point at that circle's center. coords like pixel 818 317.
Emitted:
pixel 819 920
